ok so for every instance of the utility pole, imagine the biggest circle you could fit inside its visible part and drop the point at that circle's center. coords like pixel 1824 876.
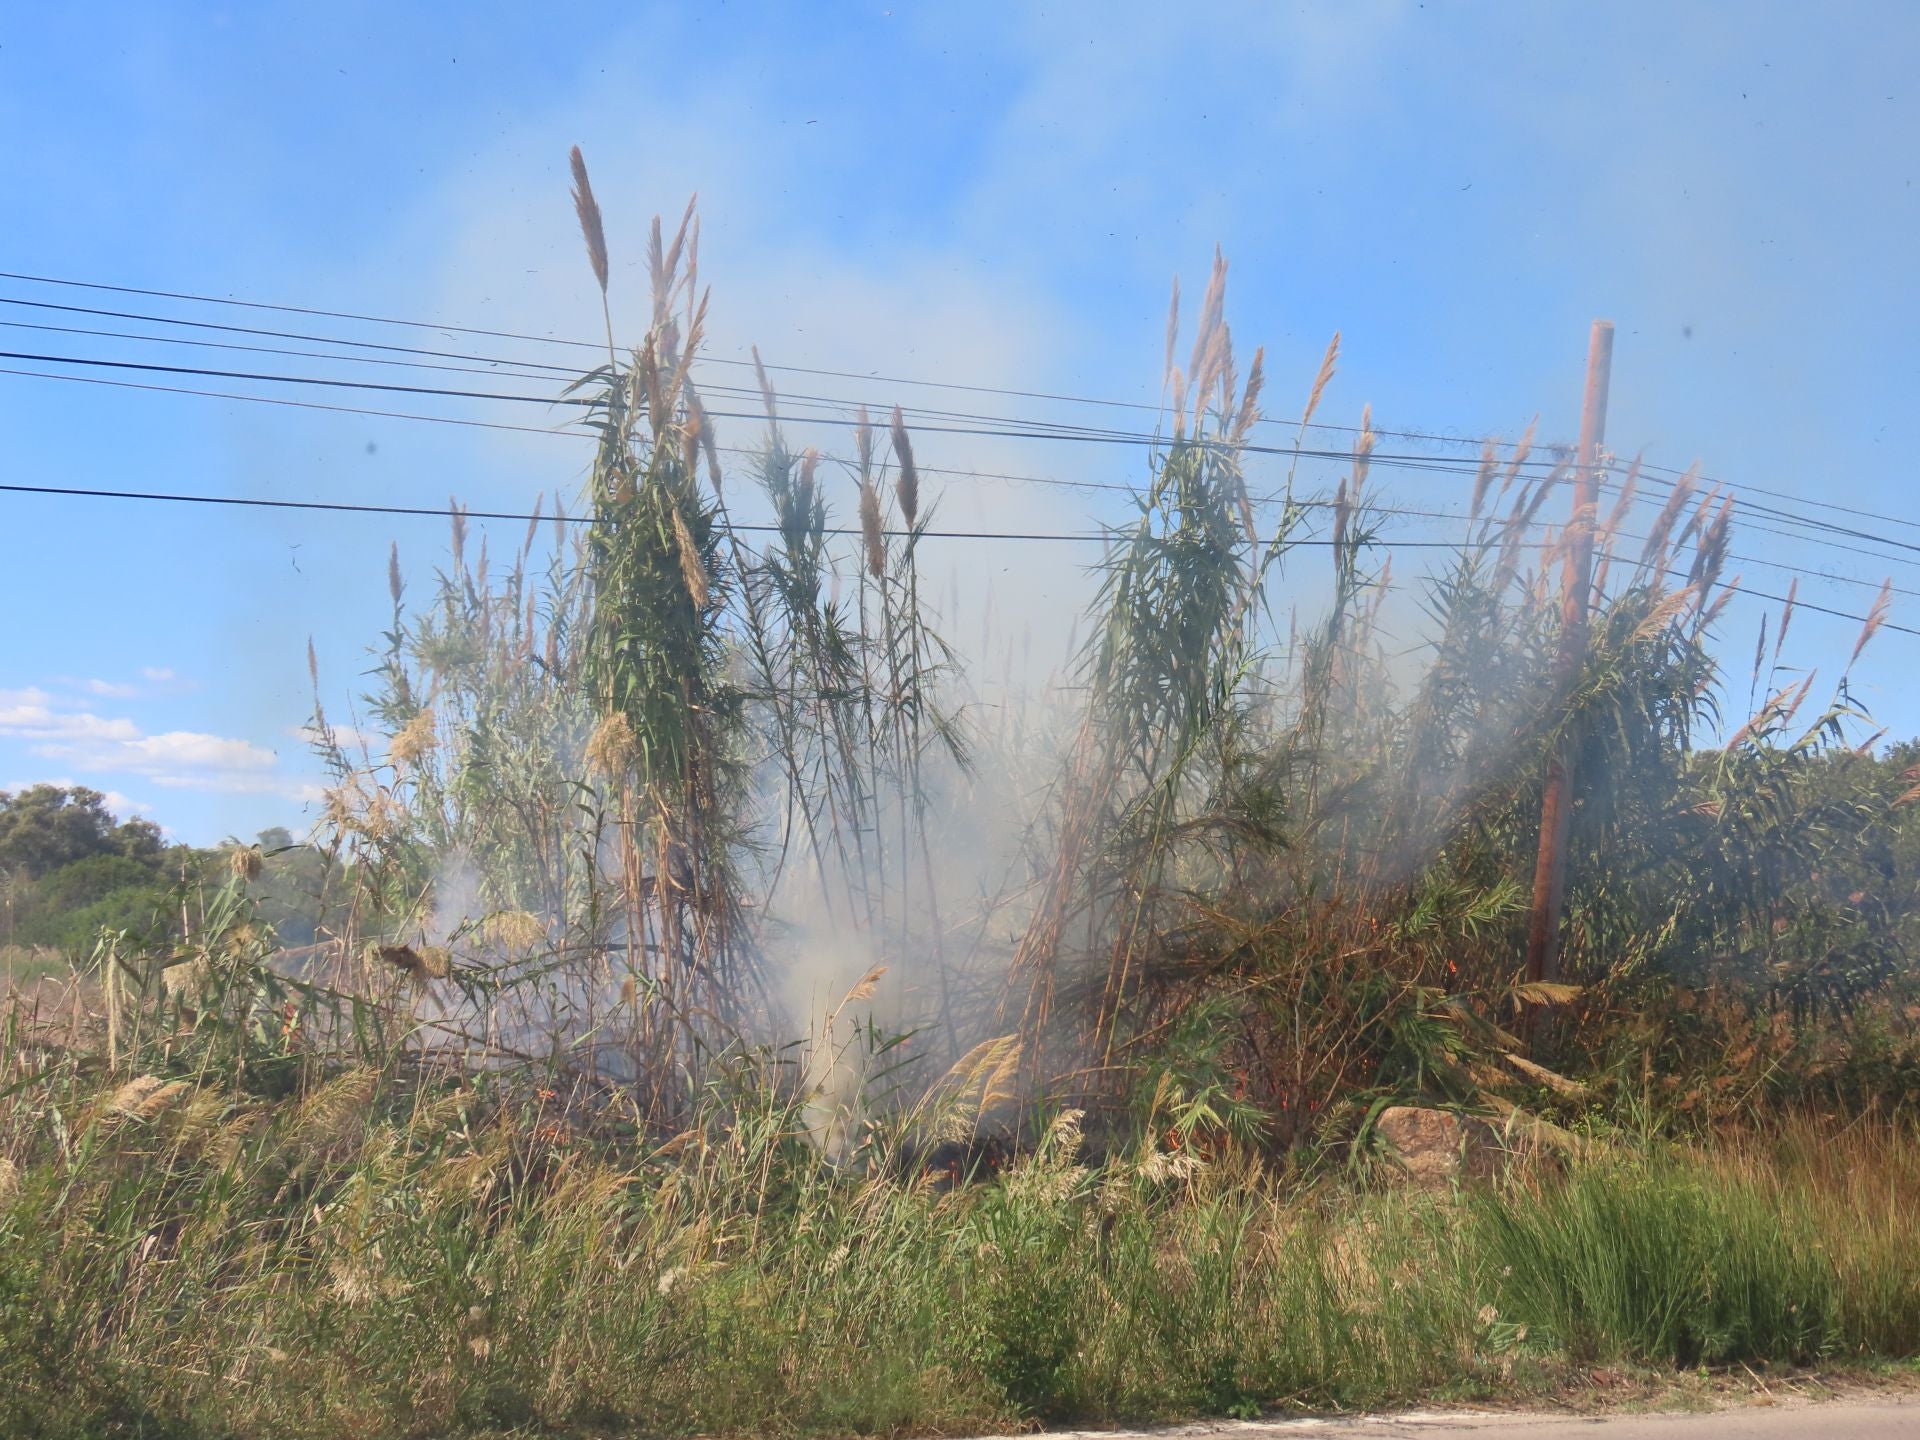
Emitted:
pixel 1576 585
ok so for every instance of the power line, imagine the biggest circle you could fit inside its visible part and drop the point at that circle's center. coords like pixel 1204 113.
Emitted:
pixel 1055 430
pixel 1116 437
pixel 490 365
pixel 530 517
pixel 442 512
pixel 1805 572
pixel 1389 460
pixel 1430 436
pixel 1403 462
pixel 594 345
pixel 1710 481
pixel 577 434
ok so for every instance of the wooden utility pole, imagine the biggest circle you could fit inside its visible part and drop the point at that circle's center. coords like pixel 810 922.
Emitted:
pixel 1576 585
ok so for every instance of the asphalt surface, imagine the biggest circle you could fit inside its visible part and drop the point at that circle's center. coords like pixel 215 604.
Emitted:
pixel 1825 1420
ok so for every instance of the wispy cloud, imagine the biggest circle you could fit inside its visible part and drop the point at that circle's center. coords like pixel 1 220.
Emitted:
pixel 89 743
pixel 112 689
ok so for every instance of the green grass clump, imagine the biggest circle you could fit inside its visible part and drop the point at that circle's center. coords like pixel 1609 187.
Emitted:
pixel 1656 1260
pixel 367 1258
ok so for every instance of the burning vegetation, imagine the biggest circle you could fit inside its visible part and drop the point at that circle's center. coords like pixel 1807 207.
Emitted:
pixel 697 969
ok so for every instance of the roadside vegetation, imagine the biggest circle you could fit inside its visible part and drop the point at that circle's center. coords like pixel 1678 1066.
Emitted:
pixel 697 1012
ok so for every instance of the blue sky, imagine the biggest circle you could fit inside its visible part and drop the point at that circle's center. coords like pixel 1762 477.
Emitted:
pixel 996 194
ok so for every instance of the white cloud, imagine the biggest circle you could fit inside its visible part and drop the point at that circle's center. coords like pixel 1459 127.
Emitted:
pixel 158 674
pixel 124 806
pixel 112 689
pixel 87 743
pixel 40 721
pixel 191 750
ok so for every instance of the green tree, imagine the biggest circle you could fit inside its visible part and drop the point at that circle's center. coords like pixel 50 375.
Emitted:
pixel 47 826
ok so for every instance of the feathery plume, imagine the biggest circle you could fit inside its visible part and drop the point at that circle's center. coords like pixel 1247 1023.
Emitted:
pixel 875 542
pixel 414 740
pixel 1250 399
pixel 395 586
pixel 1669 513
pixel 1712 612
pixel 679 245
pixel 1522 449
pixel 610 749
pixel 692 569
pixel 864 989
pixel 907 486
pixel 588 209
pixel 806 484
pixel 422 962
pixel 533 528
pixel 1876 617
pixel 1363 451
pixel 1629 488
pixel 1786 618
pixel 459 528
pixel 1328 363
pixel 656 271
pixel 766 387
pixel 863 443
pixel 1173 333
pixel 1482 480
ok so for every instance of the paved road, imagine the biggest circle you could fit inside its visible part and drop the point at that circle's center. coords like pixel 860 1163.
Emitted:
pixel 1831 1420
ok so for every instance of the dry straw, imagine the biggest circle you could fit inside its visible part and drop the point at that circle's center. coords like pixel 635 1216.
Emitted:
pixel 423 962
pixel 415 740
pixel 246 862
pixel 610 750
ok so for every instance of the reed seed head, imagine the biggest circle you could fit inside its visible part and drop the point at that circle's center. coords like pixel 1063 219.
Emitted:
pixel 693 570
pixel 517 931
pixel 863 443
pixel 1250 400
pixel 1876 617
pixel 1173 332
pixel 870 531
pixel 1328 363
pixel 610 750
pixel 414 740
pixel 766 386
pixel 245 862
pixel 907 486
pixel 588 209
pixel 422 962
